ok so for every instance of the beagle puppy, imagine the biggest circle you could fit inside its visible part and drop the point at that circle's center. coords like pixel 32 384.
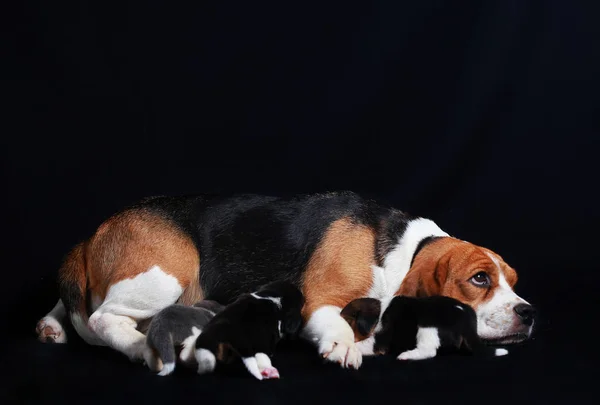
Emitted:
pixel 336 247
pixel 178 326
pixel 250 328
pixel 415 328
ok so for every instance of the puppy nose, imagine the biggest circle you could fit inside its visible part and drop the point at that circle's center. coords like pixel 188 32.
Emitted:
pixel 525 312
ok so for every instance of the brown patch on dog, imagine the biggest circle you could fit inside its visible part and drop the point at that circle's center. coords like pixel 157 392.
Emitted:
pixel 445 266
pixel 339 269
pixel 130 243
pixel 72 279
pixel 362 315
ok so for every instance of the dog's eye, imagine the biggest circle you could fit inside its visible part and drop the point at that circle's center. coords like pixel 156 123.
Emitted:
pixel 480 279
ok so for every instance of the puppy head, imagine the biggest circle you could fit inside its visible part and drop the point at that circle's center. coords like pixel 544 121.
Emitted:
pixel 478 277
pixel 362 314
pixel 291 302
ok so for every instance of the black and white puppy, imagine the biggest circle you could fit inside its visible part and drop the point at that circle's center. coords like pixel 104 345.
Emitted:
pixel 250 328
pixel 178 326
pixel 415 328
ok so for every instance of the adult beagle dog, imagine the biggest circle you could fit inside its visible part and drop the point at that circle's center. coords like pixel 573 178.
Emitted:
pixel 335 247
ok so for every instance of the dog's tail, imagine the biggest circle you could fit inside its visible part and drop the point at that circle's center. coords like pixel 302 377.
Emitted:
pixel 72 288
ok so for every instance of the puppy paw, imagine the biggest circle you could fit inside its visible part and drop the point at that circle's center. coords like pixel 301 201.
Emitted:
pixel 167 369
pixel 153 362
pixel 206 361
pixel 345 354
pixel 416 354
pixel 501 352
pixel 270 373
pixel 49 330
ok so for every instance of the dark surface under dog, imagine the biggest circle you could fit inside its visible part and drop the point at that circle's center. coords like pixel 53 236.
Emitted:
pixel 549 369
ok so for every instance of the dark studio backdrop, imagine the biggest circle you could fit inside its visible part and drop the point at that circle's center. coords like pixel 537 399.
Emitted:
pixel 480 115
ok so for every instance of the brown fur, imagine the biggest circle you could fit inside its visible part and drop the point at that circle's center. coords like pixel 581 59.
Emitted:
pixel 445 266
pixel 339 269
pixel 129 244
pixel 72 276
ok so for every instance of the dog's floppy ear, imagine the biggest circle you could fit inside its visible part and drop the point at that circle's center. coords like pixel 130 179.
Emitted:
pixel 362 314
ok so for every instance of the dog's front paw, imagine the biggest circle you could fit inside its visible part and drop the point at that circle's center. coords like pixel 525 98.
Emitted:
pixel 345 353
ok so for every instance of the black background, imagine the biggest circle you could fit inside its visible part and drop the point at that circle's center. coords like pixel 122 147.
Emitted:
pixel 480 115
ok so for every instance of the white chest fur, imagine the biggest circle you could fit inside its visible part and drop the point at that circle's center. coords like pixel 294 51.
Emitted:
pixel 388 279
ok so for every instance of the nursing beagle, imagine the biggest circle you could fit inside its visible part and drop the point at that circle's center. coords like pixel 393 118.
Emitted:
pixel 335 247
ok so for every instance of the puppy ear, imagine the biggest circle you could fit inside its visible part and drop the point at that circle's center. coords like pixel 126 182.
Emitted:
pixel 366 323
pixel 292 322
pixel 368 317
pixel 362 314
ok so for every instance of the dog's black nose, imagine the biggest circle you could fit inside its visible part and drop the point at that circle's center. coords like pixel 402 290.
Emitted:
pixel 525 312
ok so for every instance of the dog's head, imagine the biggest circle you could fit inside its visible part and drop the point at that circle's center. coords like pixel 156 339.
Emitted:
pixel 291 302
pixel 478 277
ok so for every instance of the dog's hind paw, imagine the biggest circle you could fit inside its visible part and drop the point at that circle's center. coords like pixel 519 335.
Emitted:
pixel 49 330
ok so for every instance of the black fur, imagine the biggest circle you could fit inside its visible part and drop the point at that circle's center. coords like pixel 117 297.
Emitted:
pixel 246 241
pixel 171 326
pixel 457 328
pixel 250 325
pixel 426 241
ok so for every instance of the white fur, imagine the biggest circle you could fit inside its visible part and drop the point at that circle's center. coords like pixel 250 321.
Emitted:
pixel 83 330
pixel 366 346
pixel 188 345
pixel 54 320
pixel 263 361
pixel 428 341
pixel 496 317
pixel 276 300
pixel 501 352
pixel 206 361
pixel 252 366
pixel 333 336
pixel 129 301
pixel 267 371
pixel 396 264
pixel 167 369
